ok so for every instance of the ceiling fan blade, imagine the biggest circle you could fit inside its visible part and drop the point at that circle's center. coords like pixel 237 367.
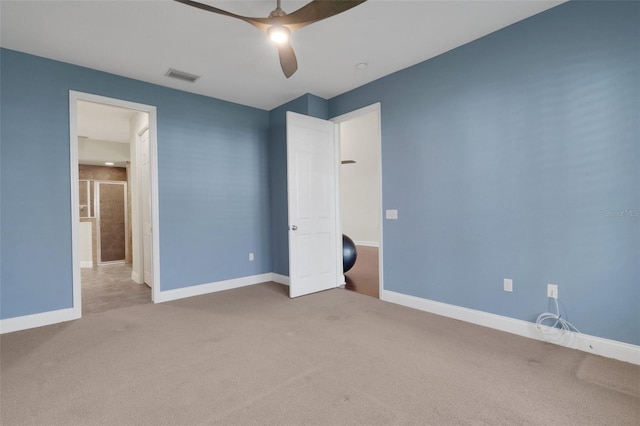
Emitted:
pixel 256 22
pixel 288 60
pixel 316 11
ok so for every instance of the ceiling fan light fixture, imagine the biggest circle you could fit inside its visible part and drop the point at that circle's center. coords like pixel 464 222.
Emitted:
pixel 279 34
pixel 279 24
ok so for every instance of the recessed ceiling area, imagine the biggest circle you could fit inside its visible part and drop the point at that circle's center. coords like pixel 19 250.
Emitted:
pixel 104 134
pixel 104 122
pixel 236 62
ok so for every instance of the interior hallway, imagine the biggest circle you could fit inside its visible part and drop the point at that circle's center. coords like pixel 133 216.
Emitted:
pixel 363 277
pixel 108 287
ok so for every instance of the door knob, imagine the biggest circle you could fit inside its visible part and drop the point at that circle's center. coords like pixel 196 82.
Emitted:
pixel 293 227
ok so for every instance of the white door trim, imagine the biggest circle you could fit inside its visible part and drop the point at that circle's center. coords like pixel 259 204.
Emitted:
pixel 74 97
pixel 345 117
pixel 336 149
pixel 144 211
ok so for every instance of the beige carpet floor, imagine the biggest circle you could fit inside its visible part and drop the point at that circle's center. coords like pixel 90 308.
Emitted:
pixel 252 356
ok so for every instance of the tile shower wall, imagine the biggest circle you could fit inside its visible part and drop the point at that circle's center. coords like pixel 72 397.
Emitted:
pixel 102 173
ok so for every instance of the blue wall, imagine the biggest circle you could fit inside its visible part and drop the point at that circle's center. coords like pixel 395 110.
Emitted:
pixel 309 105
pixel 213 182
pixel 513 156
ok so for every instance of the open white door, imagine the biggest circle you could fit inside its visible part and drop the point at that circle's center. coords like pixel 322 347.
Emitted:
pixel 311 183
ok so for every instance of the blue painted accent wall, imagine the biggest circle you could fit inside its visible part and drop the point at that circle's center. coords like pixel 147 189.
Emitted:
pixel 313 106
pixel 317 107
pixel 213 182
pixel 518 155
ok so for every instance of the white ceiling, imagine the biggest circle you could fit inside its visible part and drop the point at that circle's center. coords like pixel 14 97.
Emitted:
pixel 104 122
pixel 142 39
pixel 104 133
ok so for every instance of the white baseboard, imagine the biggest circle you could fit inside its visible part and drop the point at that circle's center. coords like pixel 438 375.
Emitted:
pixel 86 263
pixel 47 318
pixel 284 280
pixel 197 290
pixel 37 320
pixel 367 243
pixel 592 344
pixel 280 279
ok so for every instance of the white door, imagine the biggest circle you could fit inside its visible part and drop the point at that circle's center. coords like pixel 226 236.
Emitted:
pixel 145 195
pixel 311 184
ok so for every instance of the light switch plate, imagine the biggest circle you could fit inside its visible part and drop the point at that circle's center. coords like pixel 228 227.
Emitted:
pixel 392 214
pixel 508 284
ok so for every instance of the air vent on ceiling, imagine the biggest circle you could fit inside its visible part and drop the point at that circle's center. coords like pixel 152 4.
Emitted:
pixel 181 75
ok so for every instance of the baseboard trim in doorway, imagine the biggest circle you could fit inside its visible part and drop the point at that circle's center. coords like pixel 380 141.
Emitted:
pixel 86 263
pixel 200 289
pixel 280 279
pixel 367 243
pixel 592 344
pixel 25 322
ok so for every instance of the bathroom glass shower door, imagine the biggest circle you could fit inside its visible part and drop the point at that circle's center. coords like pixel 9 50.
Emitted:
pixel 111 200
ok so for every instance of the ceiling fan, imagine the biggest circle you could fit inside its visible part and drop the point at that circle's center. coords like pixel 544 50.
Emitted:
pixel 279 25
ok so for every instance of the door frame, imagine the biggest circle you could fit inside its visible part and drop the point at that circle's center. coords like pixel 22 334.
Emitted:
pixel 376 107
pixel 143 197
pixel 74 97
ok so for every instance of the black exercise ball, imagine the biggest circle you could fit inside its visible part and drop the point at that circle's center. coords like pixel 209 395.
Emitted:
pixel 349 253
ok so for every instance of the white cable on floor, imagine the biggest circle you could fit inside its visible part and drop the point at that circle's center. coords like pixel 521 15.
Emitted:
pixel 556 329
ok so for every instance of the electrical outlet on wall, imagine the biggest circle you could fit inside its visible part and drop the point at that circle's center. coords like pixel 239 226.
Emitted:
pixel 552 291
pixel 251 257
pixel 508 284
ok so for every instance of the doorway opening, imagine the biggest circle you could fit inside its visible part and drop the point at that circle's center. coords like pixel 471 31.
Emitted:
pixel 114 203
pixel 361 196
